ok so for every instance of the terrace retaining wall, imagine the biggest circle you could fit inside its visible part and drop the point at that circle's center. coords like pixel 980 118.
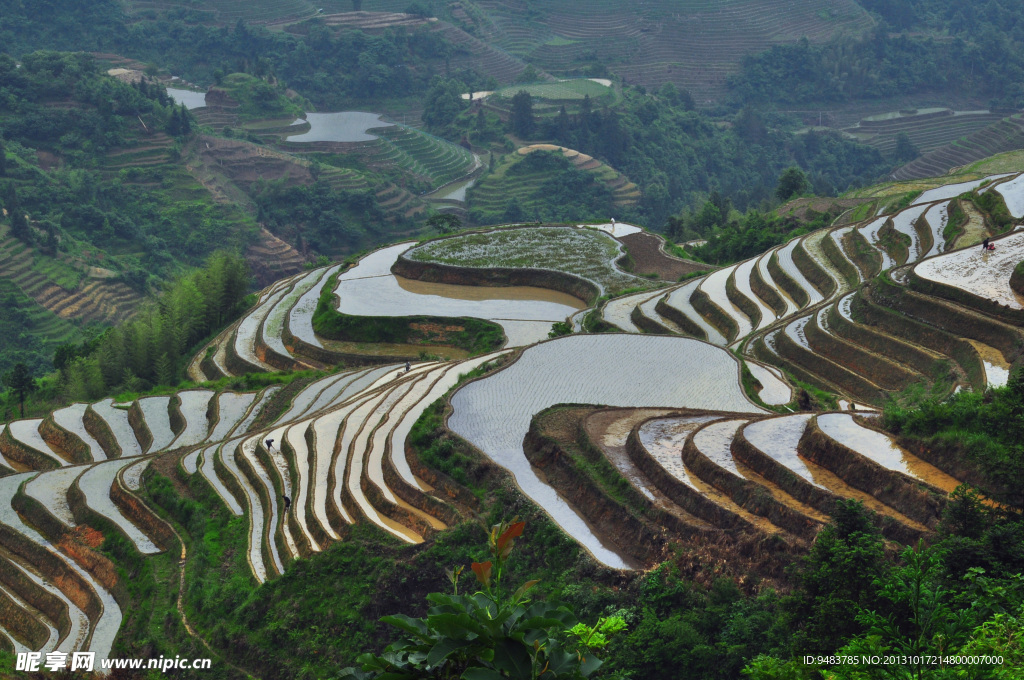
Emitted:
pixel 910 497
pixel 950 317
pixel 768 294
pixel 680 319
pixel 714 315
pixel 51 606
pixel 818 277
pixel 137 419
pixel 867 259
pixel 745 304
pixel 905 353
pixel 140 515
pixel 853 383
pixel 101 432
pixel 20 623
pixel 929 337
pixel 805 492
pixel 687 498
pixel 634 536
pixel 647 324
pixel 749 495
pixel 71 444
pixel 843 265
pixel 879 370
pixel 19 453
pixel 786 282
pixel 497 277
pixel 975 302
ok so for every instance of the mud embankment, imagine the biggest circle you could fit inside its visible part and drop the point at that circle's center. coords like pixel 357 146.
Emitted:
pixel 101 432
pixel 879 370
pixel 915 357
pixel 854 384
pixel 767 293
pixel 680 319
pixel 973 302
pixel 845 268
pixel 867 259
pixel 23 455
pixel 72 446
pixel 786 282
pixel 714 315
pixel 742 302
pixel 137 419
pixel 749 495
pixel 497 277
pixel 912 499
pixel 894 322
pixel 802 490
pixel 818 277
pixel 640 539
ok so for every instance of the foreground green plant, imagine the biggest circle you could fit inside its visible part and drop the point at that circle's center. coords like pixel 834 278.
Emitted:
pixel 491 634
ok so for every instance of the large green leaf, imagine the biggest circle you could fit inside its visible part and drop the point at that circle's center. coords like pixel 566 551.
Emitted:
pixel 443 649
pixel 590 664
pixel 559 660
pixel 409 625
pixel 458 626
pixel 511 657
pixel 481 674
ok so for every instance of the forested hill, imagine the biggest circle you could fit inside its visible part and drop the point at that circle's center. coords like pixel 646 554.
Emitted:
pixel 920 48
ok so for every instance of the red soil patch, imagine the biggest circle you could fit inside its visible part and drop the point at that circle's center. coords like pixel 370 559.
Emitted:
pixel 86 536
pixel 649 258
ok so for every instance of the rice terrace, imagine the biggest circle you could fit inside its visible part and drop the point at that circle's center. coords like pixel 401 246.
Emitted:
pixel 509 339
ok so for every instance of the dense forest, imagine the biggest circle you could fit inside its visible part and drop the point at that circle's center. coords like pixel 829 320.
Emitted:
pixel 920 47
pixel 678 155
pixel 80 205
pixel 329 68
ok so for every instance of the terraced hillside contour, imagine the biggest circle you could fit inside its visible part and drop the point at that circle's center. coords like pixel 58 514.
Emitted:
pixel 1005 135
pixel 692 443
pixel 694 44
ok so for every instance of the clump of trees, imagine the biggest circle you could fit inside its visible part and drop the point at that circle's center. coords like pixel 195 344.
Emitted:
pixel 154 347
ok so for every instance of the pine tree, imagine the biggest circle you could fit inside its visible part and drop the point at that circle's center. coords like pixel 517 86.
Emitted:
pixel 3 159
pixel 20 381
pixel 174 123
pixel 186 120
pixel 164 370
pixel 522 114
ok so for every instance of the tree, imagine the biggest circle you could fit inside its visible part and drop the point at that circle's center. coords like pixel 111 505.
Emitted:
pixel 522 114
pixel 3 159
pixel 443 103
pixel 792 182
pixel 837 579
pixel 494 633
pixel 444 223
pixel 186 120
pixel 20 381
pixel 905 149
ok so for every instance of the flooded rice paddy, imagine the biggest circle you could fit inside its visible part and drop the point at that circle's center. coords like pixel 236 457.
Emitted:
pixel 639 371
pixel 343 126
pixel 980 272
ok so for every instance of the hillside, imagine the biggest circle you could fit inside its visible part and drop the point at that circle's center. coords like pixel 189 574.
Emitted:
pixel 764 447
pixel 522 187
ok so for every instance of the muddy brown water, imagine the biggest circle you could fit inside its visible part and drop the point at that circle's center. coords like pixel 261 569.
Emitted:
pixel 455 292
pixel 664 440
pixel 883 450
pixel 997 368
